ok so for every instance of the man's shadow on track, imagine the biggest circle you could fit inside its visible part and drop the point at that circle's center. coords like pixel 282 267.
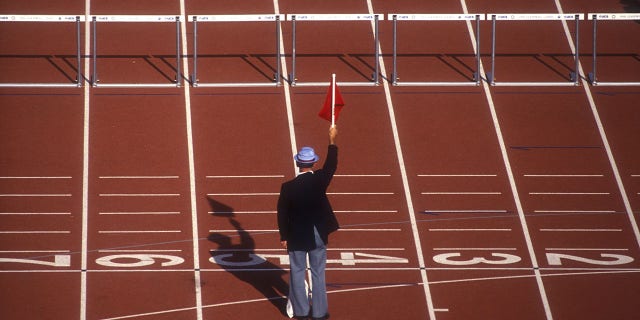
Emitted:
pixel 240 260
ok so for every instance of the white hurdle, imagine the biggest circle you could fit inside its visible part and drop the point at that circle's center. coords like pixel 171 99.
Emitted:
pixel 573 76
pixel 49 19
pixel 608 17
pixel 334 17
pixel 436 17
pixel 272 18
pixel 134 19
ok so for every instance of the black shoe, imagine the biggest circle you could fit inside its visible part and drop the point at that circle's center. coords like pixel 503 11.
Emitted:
pixel 325 317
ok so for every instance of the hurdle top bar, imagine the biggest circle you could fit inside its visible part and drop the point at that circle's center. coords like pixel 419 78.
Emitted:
pixel 236 17
pixel 135 18
pixel 335 17
pixel 534 16
pixel 435 17
pixel 40 18
pixel 614 16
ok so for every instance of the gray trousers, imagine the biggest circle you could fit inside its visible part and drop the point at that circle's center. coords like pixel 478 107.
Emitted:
pixel 297 293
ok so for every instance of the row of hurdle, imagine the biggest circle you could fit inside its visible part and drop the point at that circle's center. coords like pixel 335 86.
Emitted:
pixel 276 20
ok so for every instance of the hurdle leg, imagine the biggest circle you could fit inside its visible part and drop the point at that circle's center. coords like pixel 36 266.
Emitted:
pixel 194 75
pixel 276 77
pixel 592 74
pixel 491 75
pixel 178 69
pixel 292 76
pixel 94 71
pixel 575 75
pixel 377 50
pixel 476 76
pixel 78 56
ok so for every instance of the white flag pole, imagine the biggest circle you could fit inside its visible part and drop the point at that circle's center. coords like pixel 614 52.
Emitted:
pixel 333 100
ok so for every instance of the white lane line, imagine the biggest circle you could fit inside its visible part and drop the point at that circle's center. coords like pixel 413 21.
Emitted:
pixel 365 211
pixel 405 180
pixel 585 249
pixel 564 175
pixel 35 232
pixel 361 175
pixel 139 177
pixel 245 194
pixel 466 211
pixel 574 211
pixel 570 193
pixel 36 177
pixel 141 213
pixel 34 213
pixel 276 230
pixel 139 194
pixel 510 176
pixel 137 231
pixel 359 193
pixel 581 230
pixel 474 249
pixel 457 175
pixel 241 177
pixel 85 164
pixel 603 135
pixel 328 249
pixel 242 212
pixel 461 193
pixel 35 195
pixel 468 229
pixel 128 250
pixel 35 251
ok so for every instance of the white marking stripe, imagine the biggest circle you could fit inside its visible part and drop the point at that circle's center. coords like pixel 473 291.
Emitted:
pixel 361 175
pixel 465 211
pixel 328 249
pixel 581 230
pixel 138 231
pixel 150 250
pixel 250 176
pixel 584 249
pixel 469 229
pixel 570 193
pixel 139 177
pixel 474 249
pixel 34 195
pixel 35 232
pixel 140 213
pixel 276 230
pixel 574 211
pixel 35 251
pixel 240 212
pixel 564 175
pixel 35 213
pixel 245 194
pixel 35 177
pixel 461 193
pixel 139 194
pixel 457 175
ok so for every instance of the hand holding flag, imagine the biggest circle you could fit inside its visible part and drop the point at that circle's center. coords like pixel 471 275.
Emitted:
pixel 333 103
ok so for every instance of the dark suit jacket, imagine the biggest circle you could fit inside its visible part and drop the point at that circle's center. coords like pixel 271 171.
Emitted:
pixel 303 204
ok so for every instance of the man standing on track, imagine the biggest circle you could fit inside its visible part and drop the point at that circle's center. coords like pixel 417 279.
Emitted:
pixel 305 220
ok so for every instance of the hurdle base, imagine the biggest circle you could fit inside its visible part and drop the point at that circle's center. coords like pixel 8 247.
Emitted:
pixel 236 85
pixel 135 85
pixel 342 84
pixel 615 84
pixel 436 84
pixel 40 85
pixel 534 84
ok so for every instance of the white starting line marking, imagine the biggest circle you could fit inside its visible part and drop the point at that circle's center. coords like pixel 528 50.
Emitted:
pixel 245 194
pixel 458 175
pixel 139 195
pixel 276 230
pixel 469 229
pixel 564 175
pixel 141 213
pixel 249 176
pixel 35 177
pixel 570 193
pixel 581 230
pixel 139 177
pixel 35 195
pixel 584 249
pixel 137 231
pixel 35 232
pixel 574 211
pixel 461 193
pixel 34 213
pixel 474 249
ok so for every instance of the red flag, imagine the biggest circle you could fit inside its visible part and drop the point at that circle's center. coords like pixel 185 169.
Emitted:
pixel 325 113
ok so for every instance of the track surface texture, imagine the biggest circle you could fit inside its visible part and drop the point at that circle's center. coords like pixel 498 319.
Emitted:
pixel 147 192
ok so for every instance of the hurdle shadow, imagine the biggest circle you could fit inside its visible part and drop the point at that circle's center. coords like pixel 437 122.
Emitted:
pixel 344 59
pixel 61 63
pixel 270 282
pixel 246 59
pixel 154 62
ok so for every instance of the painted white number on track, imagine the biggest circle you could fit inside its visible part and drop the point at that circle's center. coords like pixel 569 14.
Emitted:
pixel 555 259
pixel 138 260
pixel 346 259
pixel 59 260
pixel 502 258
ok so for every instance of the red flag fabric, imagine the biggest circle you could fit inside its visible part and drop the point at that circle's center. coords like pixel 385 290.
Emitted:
pixel 325 112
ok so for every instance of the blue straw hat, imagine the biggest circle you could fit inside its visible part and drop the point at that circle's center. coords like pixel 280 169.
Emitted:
pixel 306 156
